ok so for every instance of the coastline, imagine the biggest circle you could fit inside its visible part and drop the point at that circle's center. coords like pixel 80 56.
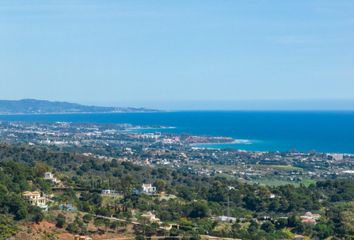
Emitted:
pixel 268 131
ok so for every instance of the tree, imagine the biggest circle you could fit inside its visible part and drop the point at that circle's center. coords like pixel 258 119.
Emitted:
pixel 281 223
pixel 72 228
pixel 37 215
pixel 60 221
pixel 160 185
pixel 114 163
pixel 87 218
pixel 323 230
pixel 268 227
pixel 199 210
pixel 40 168
pixel 7 227
pixel 253 227
pixel 139 237
pixel 17 207
pixel 251 202
pixel 114 225
pixel 294 221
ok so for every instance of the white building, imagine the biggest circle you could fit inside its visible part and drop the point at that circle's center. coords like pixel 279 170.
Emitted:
pixel 50 176
pixel 109 192
pixel 148 188
pixel 151 217
pixel 337 156
pixel 310 218
pixel 36 199
pixel 225 219
pixel 106 192
pixel 272 196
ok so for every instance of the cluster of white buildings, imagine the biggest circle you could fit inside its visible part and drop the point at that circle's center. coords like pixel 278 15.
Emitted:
pixel 50 176
pixel 39 199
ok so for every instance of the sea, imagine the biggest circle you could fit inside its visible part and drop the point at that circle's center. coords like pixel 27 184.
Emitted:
pixel 330 132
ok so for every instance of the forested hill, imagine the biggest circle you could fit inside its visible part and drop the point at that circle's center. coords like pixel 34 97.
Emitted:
pixel 33 106
pixel 194 201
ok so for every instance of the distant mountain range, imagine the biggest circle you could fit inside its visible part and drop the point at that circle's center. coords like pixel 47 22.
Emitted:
pixel 34 106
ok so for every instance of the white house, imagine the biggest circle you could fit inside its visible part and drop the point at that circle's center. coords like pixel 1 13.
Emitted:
pixel 50 176
pixel 225 219
pixel 272 196
pixel 109 192
pixel 310 218
pixel 106 192
pixel 36 199
pixel 148 188
pixel 151 217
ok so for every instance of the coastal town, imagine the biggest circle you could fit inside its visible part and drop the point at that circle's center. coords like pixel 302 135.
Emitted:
pixel 154 146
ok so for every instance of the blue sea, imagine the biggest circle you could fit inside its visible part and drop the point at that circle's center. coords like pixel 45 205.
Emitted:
pixel 259 131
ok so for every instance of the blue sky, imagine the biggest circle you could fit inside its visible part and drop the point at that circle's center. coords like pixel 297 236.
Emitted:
pixel 156 53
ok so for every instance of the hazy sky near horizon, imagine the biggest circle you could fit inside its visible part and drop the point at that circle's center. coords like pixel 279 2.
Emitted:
pixel 115 52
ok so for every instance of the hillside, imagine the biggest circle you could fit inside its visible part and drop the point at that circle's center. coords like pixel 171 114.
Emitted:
pixel 194 204
pixel 33 106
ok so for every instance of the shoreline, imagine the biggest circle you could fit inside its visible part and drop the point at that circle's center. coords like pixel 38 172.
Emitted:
pixel 236 125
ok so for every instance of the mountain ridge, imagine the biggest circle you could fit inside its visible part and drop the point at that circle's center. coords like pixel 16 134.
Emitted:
pixel 36 106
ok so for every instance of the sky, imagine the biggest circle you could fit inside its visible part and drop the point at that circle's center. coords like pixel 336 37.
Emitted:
pixel 178 54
